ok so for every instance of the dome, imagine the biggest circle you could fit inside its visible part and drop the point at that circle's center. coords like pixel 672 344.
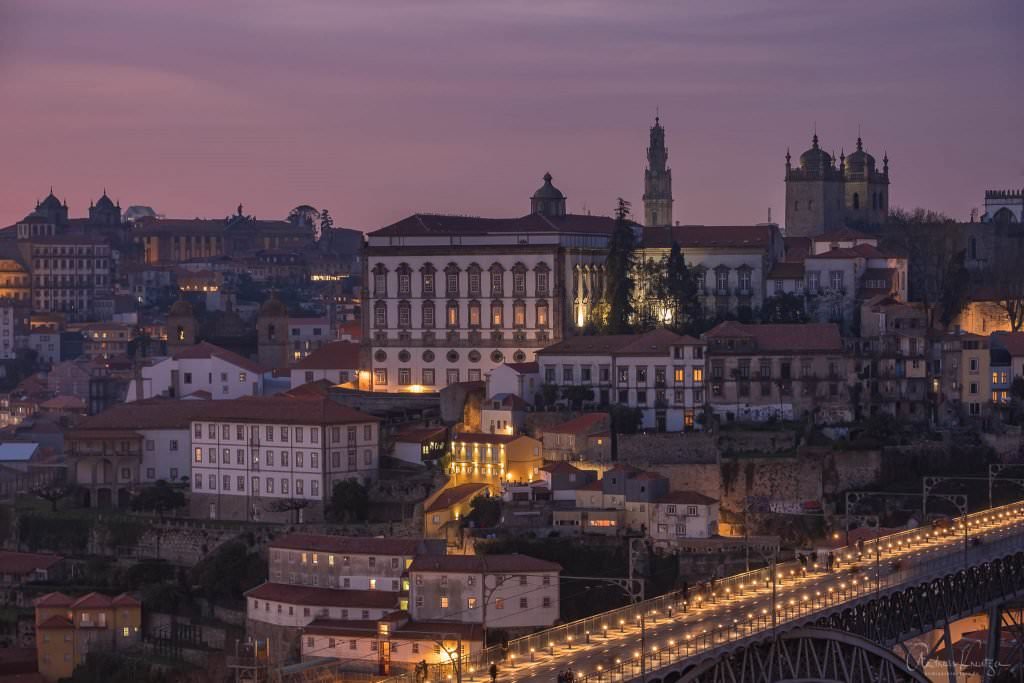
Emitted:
pixel 51 202
pixel 104 202
pixel 180 309
pixel 815 158
pixel 547 190
pixel 273 308
pixel 859 162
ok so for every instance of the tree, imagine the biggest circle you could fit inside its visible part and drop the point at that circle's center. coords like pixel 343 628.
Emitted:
pixel 326 224
pixel 625 420
pixel 158 498
pixel 784 308
pixel 485 511
pixel 228 571
pixel 54 493
pixel 547 396
pixel 619 266
pixel 1006 277
pixel 953 297
pixel 350 502
pixel 577 396
pixel 293 505
pixel 679 291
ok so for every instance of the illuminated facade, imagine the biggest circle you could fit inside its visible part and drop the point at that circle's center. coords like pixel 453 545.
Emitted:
pixel 494 458
pixel 449 298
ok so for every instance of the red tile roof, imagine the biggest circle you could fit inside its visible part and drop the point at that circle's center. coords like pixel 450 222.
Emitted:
pixel 479 437
pixel 355 545
pixel 285 409
pixel 91 601
pixel 785 270
pixel 125 600
pixel 653 343
pixel 352 328
pixel 843 235
pixel 495 564
pixel 25 563
pixel 155 413
pixel 560 467
pixel 524 368
pixel 323 597
pixel 53 600
pixel 781 338
pixel 710 236
pixel 421 224
pixel 859 251
pixel 55 621
pixel 1012 342
pixel 411 630
pixel 339 355
pixel 207 350
pixel 419 435
pixel 579 425
pixel 685 498
pixel 456 494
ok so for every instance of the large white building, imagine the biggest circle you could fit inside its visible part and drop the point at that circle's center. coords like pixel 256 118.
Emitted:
pixel 254 458
pixel 214 372
pixel 448 298
pixel 659 372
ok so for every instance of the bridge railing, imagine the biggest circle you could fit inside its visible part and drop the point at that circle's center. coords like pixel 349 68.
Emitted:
pixel 654 610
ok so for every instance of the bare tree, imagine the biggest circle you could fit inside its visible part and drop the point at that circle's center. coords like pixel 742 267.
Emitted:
pixel 292 505
pixel 54 493
pixel 1006 276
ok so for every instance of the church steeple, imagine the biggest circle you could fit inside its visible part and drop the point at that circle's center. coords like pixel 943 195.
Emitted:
pixel 657 180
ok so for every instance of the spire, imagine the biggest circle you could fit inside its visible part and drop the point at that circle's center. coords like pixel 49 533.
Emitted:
pixel 885 162
pixel 788 157
pixel 814 140
pixel 860 144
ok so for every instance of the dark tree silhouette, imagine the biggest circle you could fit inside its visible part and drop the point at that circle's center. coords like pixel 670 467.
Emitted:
pixel 619 292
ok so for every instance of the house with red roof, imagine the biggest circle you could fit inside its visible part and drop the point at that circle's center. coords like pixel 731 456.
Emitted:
pixel 202 367
pixel 571 440
pixel 337 362
pixel 782 371
pixel 19 568
pixel 660 373
pixel 615 503
pixel 69 628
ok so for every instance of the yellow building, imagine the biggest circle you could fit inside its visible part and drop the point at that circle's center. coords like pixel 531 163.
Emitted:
pixel 443 509
pixel 494 458
pixel 68 628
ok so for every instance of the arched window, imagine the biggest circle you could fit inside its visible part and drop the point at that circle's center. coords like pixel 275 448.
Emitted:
pixel 856 200
pixel 404 314
pixel 452 314
pixel 380 315
pixel 474 314
pixel 519 314
pixel 428 315
pixel 542 314
pixel 497 314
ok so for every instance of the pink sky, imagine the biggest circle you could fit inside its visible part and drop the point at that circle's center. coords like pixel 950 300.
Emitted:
pixel 381 108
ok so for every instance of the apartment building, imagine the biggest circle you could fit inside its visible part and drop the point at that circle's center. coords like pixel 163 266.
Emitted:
pixel 660 373
pixel 963 393
pixel 757 372
pixel 337 362
pixel 614 504
pixel 203 369
pixel 68 629
pixel 681 515
pixel 891 359
pixel 494 458
pixel 278 457
pixel 511 592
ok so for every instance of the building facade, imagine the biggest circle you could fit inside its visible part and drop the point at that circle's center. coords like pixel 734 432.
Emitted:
pixel 449 298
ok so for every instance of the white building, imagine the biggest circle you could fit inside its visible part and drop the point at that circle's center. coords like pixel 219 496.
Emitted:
pixel 449 298
pixel 46 344
pixel 659 372
pixel 498 591
pixel 278 457
pixel 520 379
pixel 306 335
pixel 682 515
pixel 337 362
pixel 203 367
pixel 131 445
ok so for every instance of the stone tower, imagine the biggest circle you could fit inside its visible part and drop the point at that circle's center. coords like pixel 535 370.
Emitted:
pixel 181 326
pixel 821 196
pixel 105 212
pixel 548 200
pixel 272 333
pixel 865 188
pixel 657 180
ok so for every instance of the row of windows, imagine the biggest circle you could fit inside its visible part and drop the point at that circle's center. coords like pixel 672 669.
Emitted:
pixel 474 280
pixel 453 316
pixel 641 374
pixel 285 460
pixel 306 558
pixel 743 369
pixel 239 484
pixel 332 581
pixel 306 611
pixel 296 434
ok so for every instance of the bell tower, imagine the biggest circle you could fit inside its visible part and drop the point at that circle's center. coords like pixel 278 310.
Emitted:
pixel 657 180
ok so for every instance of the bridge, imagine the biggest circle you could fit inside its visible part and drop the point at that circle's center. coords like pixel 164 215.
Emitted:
pixel 802 624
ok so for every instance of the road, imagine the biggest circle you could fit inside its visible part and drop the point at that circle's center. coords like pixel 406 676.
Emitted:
pixel 670 638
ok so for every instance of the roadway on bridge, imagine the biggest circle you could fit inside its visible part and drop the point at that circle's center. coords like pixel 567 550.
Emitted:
pixel 852 581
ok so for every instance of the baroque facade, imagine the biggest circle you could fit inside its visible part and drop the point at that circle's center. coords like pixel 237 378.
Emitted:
pixel 449 298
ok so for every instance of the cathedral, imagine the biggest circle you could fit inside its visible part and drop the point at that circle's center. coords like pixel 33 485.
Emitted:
pixel 822 195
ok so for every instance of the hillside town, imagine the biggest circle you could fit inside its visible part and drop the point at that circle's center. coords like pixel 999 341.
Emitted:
pixel 263 444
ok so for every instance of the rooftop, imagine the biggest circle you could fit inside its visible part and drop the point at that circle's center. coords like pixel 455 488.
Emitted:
pixel 654 343
pixel 206 350
pixel 583 423
pixel 455 494
pixel 323 597
pixel 426 225
pixel 778 338
pixel 710 236
pixel 284 410
pixel 357 545
pixel 339 355
pixel 480 564
pixel 24 563
pixel 686 498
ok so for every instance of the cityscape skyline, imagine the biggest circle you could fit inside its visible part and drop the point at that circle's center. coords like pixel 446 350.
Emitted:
pixel 356 121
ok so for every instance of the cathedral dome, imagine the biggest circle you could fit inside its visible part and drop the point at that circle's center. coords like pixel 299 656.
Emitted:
pixel 859 163
pixel 180 309
pixel 273 308
pixel 815 158
pixel 547 190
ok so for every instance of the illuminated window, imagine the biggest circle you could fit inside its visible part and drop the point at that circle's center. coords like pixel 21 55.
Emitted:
pixel 471 603
pixel 444 602
pixel 698 374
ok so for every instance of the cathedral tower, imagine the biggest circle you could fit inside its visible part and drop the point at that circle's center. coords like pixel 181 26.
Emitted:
pixel 657 180
pixel 548 200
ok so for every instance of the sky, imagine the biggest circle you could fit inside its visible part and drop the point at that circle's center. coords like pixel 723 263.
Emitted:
pixel 382 108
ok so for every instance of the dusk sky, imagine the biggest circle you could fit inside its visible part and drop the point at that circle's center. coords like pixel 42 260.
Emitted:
pixel 382 108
